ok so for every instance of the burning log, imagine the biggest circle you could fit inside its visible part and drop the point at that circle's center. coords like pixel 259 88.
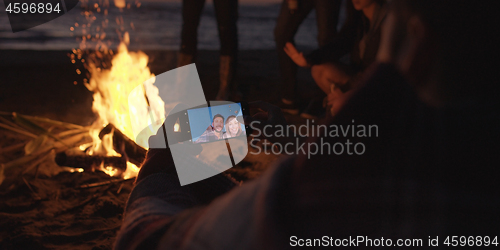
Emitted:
pixel 88 161
pixel 122 144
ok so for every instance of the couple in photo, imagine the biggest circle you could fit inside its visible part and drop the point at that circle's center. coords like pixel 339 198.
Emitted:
pixel 215 131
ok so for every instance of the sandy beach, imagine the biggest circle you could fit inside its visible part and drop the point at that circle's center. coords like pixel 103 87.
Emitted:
pixel 56 213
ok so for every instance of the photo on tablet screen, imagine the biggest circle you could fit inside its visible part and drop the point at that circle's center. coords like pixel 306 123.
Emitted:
pixel 215 123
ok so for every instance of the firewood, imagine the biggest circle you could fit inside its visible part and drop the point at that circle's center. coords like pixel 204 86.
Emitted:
pixel 88 161
pixel 14 147
pixel 99 184
pixel 122 144
pixel 22 132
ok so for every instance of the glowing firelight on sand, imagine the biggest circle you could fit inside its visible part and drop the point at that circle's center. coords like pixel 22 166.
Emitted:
pixel 112 88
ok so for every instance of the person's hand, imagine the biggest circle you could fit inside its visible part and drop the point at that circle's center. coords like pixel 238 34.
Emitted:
pixel 336 99
pixel 267 120
pixel 267 114
pixel 159 158
pixel 296 56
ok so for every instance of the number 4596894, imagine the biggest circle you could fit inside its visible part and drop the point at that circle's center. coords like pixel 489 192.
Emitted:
pixel 470 241
pixel 38 8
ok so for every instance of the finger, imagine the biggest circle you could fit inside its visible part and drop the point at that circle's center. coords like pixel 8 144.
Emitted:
pixel 301 55
pixel 288 52
pixel 289 46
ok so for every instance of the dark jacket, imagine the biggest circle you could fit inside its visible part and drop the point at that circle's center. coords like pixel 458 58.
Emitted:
pixel 427 172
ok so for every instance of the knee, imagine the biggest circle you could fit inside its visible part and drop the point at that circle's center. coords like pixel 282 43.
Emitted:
pixel 317 72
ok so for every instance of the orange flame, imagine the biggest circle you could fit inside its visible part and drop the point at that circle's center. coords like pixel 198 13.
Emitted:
pixel 112 88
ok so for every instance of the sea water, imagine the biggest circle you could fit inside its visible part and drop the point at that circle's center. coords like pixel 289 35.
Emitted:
pixel 157 25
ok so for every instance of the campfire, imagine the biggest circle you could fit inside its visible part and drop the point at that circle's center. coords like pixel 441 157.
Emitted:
pixel 126 103
pixel 128 110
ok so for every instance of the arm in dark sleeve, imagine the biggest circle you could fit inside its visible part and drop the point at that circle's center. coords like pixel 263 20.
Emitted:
pixel 158 197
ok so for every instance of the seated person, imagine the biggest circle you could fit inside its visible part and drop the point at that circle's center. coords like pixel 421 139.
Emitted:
pixel 233 127
pixel 214 132
pixel 432 171
pixel 359 38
